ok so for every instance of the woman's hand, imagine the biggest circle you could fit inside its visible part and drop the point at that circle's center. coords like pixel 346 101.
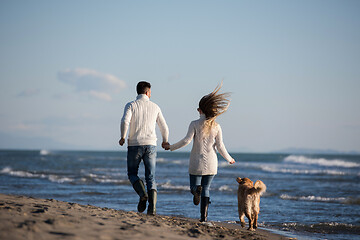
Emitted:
pixel 232 161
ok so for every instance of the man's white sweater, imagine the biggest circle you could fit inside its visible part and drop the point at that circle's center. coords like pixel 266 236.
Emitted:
pixel 141 116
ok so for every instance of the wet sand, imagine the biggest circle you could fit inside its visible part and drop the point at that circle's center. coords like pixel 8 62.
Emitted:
pixel 32 218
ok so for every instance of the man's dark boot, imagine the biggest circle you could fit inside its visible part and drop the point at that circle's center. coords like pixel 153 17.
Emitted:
pixel 204 205
pixel 196 193
pixel 140 190
pixel 152 202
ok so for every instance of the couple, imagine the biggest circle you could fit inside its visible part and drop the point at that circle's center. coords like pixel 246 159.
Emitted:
pixel 142 115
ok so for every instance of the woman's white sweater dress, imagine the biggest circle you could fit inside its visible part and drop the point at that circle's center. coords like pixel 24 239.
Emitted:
pixel 203 158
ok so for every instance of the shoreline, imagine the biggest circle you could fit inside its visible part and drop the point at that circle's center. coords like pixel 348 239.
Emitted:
pixel 33 218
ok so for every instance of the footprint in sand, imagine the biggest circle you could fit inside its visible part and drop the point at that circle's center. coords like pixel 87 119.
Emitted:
pixel 50 221
pixel 62 234
pixel 40 208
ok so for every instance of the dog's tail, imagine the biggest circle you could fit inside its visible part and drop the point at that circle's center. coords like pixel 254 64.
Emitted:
pixel 259 187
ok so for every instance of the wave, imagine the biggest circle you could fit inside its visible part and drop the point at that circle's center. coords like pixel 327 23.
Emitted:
pixel 87 178
pixel 225 188
pixel 343 200
pixel 26 174
pixel 303 171
pixel 59 179
pixel 91 193
pixel 105 170
pixel 161 160
pixel 168 185
pixel 109 180
pixel 172 161
pixel 9 171
pixel 225 164
pixel 44 152
pixel 321 161
pixel 324 228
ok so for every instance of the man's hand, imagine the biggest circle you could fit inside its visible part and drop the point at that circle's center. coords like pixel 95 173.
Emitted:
pixel 121 141
pixel 165 145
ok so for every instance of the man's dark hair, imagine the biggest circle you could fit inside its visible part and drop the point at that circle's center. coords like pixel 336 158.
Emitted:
pixel 142 87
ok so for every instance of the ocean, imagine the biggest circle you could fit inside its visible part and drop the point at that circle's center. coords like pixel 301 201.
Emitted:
pixel 308 196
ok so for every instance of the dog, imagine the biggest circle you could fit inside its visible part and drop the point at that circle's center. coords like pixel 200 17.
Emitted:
pixel 249 201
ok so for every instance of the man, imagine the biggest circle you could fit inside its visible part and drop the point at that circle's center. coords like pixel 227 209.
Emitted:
pixel 141 117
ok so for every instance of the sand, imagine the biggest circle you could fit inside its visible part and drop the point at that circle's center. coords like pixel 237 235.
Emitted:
pixel 31 218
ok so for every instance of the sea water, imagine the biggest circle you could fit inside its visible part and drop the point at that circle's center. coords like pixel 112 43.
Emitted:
pixel 308 196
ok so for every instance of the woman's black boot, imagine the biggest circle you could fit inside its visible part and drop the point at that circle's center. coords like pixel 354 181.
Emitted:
pixel 196 193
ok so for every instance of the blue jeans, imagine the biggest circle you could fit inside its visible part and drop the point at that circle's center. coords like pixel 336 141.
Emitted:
pixel 147 153
pixel 204 181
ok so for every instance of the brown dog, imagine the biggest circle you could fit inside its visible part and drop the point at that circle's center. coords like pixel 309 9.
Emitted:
pixel 249 201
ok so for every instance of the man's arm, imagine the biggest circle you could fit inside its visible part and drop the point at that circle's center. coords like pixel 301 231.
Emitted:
pixel 125 122
pixel 164 129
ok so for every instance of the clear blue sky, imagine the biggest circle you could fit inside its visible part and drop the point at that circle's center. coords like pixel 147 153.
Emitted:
pixel 67 68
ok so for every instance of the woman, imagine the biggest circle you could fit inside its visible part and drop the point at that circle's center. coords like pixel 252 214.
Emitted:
pixel 207 135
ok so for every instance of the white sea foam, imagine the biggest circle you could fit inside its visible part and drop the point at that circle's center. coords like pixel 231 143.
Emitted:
pixel 92 175
pixel 9 171
pixel 321 161
pixel 168 185
pixel 172 161
pixel 225 188
pixel 105 169
pixel 323 227
pixel 26 174
pixel 224 164
pixel 179 162
pixel 302 171
pixel 161 160
pixel 109 180
pixel 101 178
pixel 314 198
pixel 58 179
pixel 6 170
pixel 44 152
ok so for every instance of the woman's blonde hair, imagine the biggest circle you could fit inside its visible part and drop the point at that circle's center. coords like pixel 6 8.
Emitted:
pixel 213 105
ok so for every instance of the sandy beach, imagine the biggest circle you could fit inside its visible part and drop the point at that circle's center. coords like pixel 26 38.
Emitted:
pixel 31 218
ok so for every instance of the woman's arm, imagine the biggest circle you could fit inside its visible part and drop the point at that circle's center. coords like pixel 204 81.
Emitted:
pixel 221 147
pixel 186 140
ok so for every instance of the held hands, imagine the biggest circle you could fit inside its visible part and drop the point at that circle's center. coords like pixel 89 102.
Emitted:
pixel 165 145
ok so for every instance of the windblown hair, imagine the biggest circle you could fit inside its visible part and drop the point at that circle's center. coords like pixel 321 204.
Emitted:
pixel 213 105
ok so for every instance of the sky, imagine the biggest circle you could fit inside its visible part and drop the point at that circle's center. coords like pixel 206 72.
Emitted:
pixel 67 69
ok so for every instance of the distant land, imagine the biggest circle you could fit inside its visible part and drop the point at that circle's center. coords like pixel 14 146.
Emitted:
pixel 8 141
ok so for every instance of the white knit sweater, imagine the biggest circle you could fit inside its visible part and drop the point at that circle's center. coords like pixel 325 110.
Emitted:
pixel 203 158
pixel 141 116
